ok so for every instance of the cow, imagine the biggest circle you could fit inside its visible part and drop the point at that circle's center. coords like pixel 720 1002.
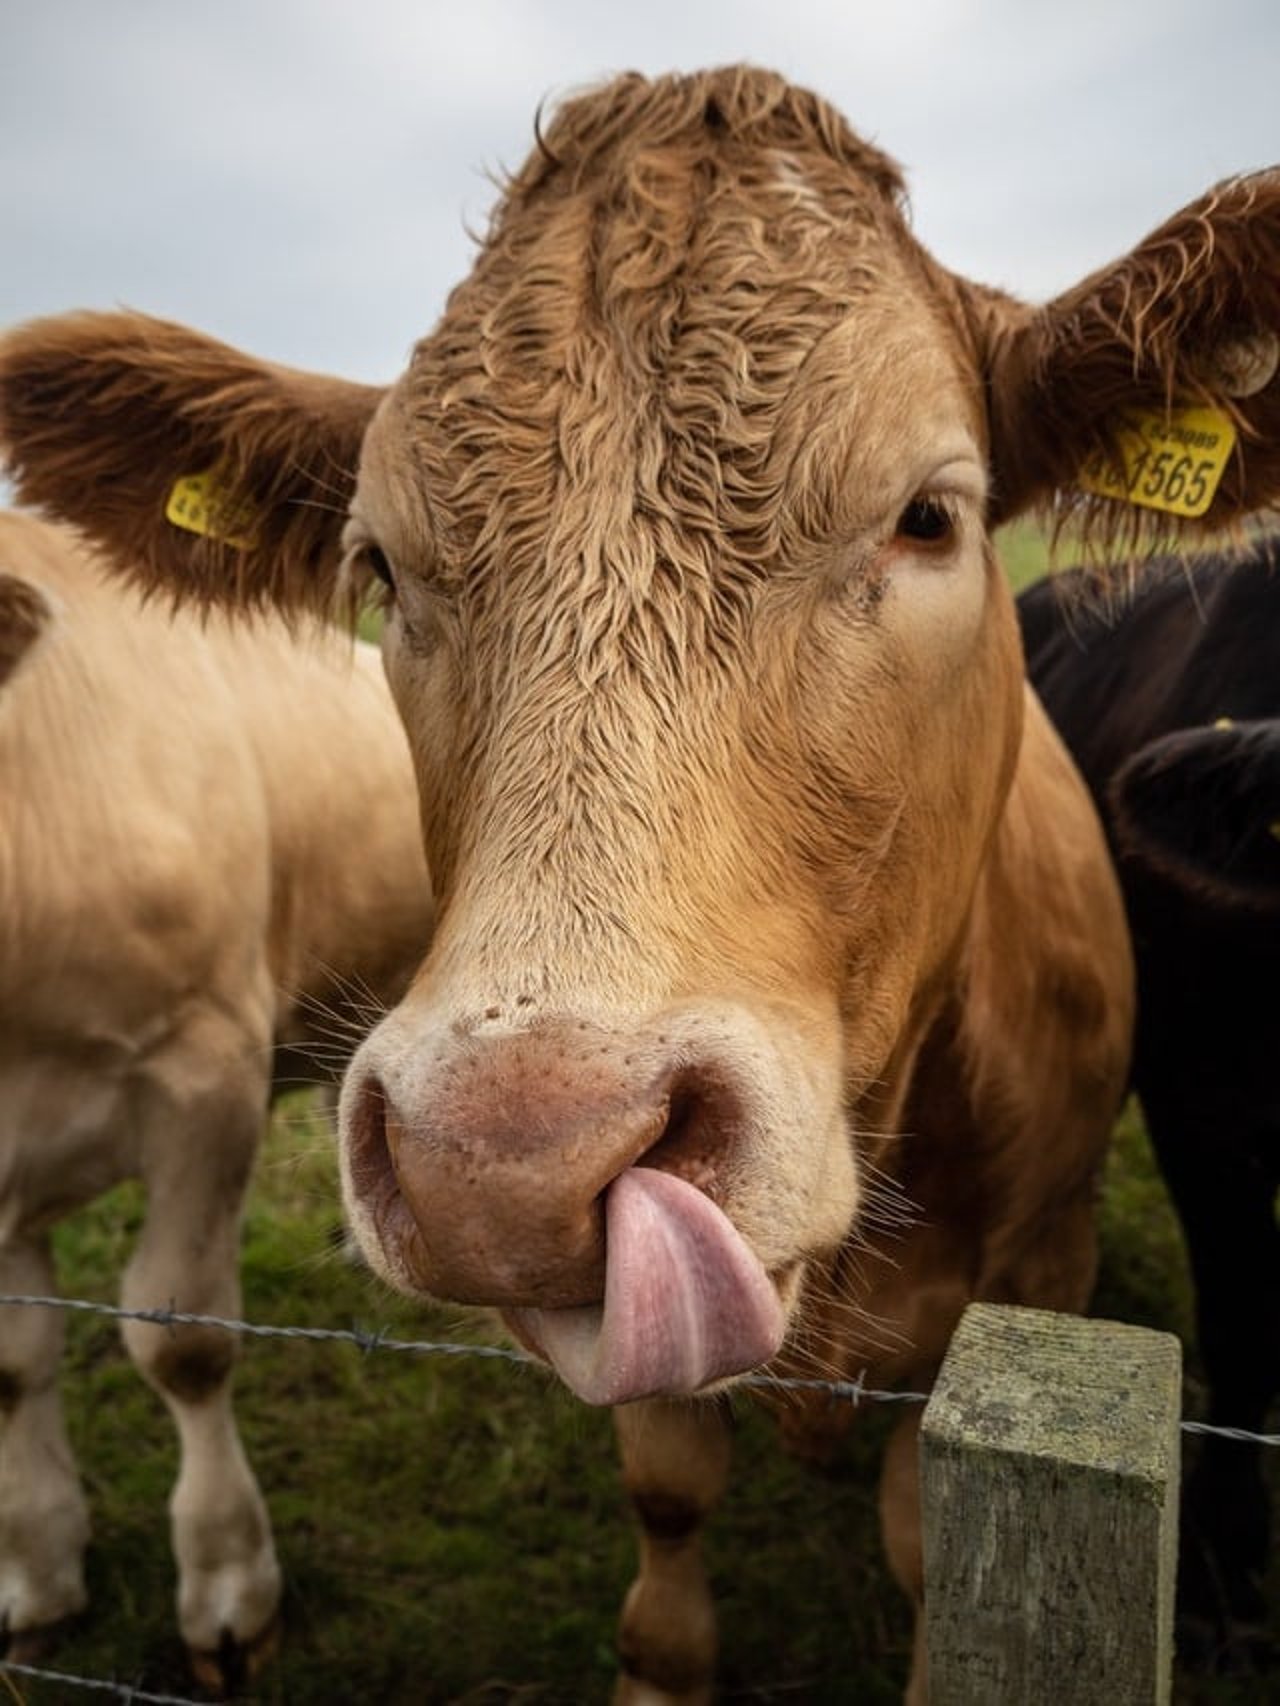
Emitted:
pixel 1170 703
pixel 185 922
pixel 780 999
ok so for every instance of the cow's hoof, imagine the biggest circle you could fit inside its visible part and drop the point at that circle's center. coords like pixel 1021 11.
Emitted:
pixel 232 1665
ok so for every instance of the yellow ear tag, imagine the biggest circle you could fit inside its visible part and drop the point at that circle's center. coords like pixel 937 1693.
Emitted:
pixel 1172 462
pixel 200 503
pixel 1274 829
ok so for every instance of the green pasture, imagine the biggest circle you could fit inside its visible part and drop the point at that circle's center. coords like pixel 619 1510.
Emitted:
pixel 454 1530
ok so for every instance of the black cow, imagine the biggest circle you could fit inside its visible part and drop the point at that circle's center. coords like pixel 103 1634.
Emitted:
pixel 1171 707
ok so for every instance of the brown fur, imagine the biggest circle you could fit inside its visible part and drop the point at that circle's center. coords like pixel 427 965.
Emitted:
pixel 101 413
pixel 24 616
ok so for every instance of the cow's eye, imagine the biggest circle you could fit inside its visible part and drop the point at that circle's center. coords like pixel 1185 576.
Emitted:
pixel 926 521
pixel 379 563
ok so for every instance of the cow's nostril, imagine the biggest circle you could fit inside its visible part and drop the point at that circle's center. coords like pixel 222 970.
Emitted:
pixel 703 1113
pixel 384 1183
pixel 369 1159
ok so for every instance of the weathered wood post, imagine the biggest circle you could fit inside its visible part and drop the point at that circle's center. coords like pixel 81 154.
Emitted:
pixel 1049 1465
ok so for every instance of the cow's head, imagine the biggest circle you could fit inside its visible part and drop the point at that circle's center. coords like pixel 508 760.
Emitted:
pixel 1200 810
pixel 682 516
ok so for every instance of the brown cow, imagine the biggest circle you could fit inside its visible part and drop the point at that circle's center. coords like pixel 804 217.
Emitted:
pixel 181 889
pixel 770 903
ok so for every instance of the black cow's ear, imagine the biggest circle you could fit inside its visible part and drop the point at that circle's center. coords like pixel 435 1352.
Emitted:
pixel 200 472
pixel 1079 389
pixel 1201 808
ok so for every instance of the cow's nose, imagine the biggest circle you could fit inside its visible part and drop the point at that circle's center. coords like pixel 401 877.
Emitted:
pixel 490 1189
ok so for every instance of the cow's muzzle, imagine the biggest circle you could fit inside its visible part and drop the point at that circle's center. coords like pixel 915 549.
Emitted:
pixel 571 1178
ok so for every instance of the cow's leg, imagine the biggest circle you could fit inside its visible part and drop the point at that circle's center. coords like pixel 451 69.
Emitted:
pixel 675 1462
pixel 44 1520
pixel 187 1259
pixel 900 1523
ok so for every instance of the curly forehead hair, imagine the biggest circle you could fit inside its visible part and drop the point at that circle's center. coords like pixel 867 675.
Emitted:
pixel 654 280
pixel 635 113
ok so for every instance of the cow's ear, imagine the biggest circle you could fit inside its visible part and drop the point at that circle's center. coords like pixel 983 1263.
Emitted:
pixel 24 615
pixel 200 472
pixel 1201 807
pixel 1078 388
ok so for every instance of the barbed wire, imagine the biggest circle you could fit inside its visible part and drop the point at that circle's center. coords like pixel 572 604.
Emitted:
pixel 380 1339
pixel 123 1691
pixel 1244 1435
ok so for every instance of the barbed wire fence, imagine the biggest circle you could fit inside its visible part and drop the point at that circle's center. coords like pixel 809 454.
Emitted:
pixel 379 1340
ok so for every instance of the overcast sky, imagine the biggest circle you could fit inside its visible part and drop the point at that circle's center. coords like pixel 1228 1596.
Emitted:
pixel 296 176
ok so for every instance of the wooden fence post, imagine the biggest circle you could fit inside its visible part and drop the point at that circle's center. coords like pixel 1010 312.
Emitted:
pixel 1049 1469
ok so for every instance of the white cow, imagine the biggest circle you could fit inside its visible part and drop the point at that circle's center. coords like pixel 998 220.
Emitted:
pixel 210 858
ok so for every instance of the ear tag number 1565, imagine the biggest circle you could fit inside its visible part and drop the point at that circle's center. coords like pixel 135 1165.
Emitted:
pixel 1171 462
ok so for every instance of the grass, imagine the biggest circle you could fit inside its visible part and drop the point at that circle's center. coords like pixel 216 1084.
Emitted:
pixel 454 1530
pixel 1024 553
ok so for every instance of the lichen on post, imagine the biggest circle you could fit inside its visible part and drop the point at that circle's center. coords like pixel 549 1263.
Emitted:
pixel 1049 1466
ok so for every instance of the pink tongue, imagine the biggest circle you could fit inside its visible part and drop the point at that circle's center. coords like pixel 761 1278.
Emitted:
pixel 686 1302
